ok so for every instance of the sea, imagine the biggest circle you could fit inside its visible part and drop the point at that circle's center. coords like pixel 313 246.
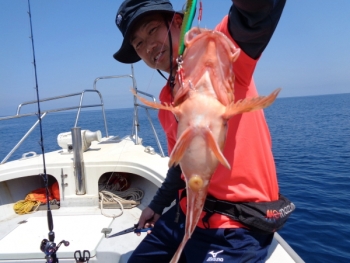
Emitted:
pixel 311 146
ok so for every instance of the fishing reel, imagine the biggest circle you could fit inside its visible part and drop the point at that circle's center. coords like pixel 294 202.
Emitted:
pixel 50 249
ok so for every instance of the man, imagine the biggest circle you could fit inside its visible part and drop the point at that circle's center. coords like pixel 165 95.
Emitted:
pixel 151 32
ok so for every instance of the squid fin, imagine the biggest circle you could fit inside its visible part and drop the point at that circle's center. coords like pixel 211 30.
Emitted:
pixel 155 105
pixel 181 146
pixel 213 145
pixel 248 105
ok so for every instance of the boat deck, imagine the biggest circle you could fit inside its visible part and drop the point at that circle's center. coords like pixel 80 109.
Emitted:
pixel 80 226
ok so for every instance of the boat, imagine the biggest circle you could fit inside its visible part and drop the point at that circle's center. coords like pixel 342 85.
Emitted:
pixel 86 168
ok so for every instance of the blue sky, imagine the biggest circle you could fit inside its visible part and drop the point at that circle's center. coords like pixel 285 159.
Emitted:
pixel 75 39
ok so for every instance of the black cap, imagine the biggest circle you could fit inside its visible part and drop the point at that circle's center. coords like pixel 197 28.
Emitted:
pixel 129 12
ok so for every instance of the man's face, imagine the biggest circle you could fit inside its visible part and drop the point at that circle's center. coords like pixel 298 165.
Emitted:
pixel 151 42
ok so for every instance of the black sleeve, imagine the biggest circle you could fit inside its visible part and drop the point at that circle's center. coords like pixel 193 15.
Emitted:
pixel 252 23
pixel 168 191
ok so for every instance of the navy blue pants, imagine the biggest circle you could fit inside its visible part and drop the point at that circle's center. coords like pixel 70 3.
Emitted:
pixel 205 245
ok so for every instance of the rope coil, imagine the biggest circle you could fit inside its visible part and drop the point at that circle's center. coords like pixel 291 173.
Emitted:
pixel 23 207
pixel 130 197
pixel 118 193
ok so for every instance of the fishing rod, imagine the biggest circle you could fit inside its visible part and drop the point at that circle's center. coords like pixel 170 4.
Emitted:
pixel 48 246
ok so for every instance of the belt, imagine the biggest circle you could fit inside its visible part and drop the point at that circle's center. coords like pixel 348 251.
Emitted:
pixel 264 217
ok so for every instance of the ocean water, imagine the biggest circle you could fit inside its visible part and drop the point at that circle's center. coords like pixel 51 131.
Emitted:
pixel 311 145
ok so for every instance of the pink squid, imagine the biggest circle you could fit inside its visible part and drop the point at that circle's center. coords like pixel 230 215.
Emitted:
pixel 203 104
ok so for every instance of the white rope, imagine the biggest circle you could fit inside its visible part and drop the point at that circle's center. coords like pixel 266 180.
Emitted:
pixel 129 196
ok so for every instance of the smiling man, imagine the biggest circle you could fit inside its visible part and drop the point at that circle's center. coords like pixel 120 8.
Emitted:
pixel 151 31
pixel 149 42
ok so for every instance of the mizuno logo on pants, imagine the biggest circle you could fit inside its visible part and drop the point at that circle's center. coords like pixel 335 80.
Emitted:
pixel 214 257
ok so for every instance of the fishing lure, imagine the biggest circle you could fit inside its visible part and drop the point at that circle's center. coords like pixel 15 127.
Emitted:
pixel 187 23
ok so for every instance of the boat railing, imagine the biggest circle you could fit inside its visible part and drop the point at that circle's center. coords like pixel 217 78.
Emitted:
pixel 81 106
pixel 81 94
pixel 44 113
pixel 136 106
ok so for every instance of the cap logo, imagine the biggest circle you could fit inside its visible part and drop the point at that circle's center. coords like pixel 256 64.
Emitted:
pixel 119 19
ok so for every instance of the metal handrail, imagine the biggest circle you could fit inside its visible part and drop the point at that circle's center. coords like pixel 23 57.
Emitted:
pixel 149 119
pixel 94 86
pixel 136 105
pixel 102 105
pixel 111 77
pixel 155 133
pixel 18 115
pixel 23 138
pixel 48 111
pixel 81 94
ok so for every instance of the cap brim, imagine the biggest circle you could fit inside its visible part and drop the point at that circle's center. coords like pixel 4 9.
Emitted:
pixel 126 53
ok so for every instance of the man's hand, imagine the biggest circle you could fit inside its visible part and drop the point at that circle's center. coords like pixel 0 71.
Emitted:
pixel 147 219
